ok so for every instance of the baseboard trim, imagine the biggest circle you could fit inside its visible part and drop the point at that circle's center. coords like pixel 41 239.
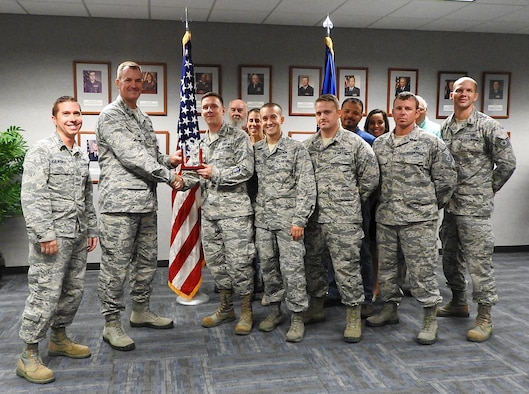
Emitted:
pixel 95 266
pixel 165 263
pixel 511 249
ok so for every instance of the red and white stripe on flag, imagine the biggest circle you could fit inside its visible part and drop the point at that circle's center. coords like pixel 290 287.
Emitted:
pixel 186 257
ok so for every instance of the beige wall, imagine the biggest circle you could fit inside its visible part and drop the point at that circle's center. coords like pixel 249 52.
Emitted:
pixel 36 67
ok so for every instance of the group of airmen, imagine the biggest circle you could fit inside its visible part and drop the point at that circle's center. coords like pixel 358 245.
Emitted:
pixel 292 207
pixel 308 212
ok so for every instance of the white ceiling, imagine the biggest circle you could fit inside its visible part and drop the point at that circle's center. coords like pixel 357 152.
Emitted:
pixel 487 16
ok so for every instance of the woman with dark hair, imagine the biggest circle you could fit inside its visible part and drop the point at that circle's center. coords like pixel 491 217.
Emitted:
pixel 377 122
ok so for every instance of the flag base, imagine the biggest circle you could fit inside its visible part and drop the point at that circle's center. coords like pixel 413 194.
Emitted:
pixel 199 298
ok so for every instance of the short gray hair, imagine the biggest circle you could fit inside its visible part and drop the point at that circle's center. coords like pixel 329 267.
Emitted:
pixel 126 64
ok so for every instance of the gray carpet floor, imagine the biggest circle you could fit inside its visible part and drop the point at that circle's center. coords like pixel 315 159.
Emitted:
pixel 192 359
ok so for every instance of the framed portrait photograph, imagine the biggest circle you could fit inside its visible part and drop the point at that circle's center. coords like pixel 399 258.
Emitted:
pixel 153 99
pixel 305 87
pixel 300 135
pixel 255 85
pixel 496 92
pixel 352 82
pixel 401 80
pixel 163 141
pixel 87 140
pixel 92 86
pixel 445 86
pixel 207 79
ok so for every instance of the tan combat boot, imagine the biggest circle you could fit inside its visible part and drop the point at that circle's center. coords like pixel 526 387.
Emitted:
pixel 315 313
pixel 142 316
pixel 388 315
pixel 115 335
pixel 31 368
pixel 353 329
pixel 428 334
pixel 483 328
pixel 60 345
pixel 297 328
pixel 457 307
pixel 224 312
pixel 274 318
pixel 244 325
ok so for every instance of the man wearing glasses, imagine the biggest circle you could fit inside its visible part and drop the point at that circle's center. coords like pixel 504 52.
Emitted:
pixel 424 122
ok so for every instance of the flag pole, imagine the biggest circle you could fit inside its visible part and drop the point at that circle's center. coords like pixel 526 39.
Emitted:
pixel 327 23
pixel 329 79
pixel 198 298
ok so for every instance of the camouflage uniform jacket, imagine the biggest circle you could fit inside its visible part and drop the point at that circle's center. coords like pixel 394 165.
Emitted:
pixel 346 174
pixel 484 162
pixel 417 177
pixel 225 195
pixel 57 198
pixel 130 162
pixel 286 187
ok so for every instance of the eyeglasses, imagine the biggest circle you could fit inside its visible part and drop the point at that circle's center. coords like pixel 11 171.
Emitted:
pixel 422 109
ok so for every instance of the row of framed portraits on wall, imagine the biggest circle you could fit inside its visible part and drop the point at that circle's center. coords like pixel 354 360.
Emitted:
pixel 495 93
pixel 255 87
pixel 92 87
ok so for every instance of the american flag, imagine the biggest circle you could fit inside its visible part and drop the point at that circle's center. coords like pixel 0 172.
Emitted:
pixel 329 77
pixel 186 257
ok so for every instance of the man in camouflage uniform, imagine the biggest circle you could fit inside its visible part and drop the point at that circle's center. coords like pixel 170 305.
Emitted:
pixel 285 200
pixel 484 162
pixel 131 166
pixel 352 112
pixel 417 178
pixel 346 174
pixel 62 227
pixel 227 230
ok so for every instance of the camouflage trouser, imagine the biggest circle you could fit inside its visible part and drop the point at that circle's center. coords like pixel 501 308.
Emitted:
pixel 283 267
pixel 469 240
pixel 129 245
pixel 418 242
pixel 343 240
pixel 229 251
pixel 56 285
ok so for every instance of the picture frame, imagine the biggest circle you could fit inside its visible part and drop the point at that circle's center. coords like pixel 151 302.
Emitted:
pixel 445 81
pixel 352 82
pixel 301 100
pixel 301 135
pixel 153 99
pixel 92 85
pixel 87 140
pixel 255 85
pixel 212 82
pixel 496 94
pixel 396 77
pixel 163 141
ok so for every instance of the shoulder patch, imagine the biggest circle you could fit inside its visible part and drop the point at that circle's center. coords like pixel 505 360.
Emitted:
pixel 502 142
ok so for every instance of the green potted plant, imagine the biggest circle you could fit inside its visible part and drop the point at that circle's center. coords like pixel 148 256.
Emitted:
pixel 12 151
